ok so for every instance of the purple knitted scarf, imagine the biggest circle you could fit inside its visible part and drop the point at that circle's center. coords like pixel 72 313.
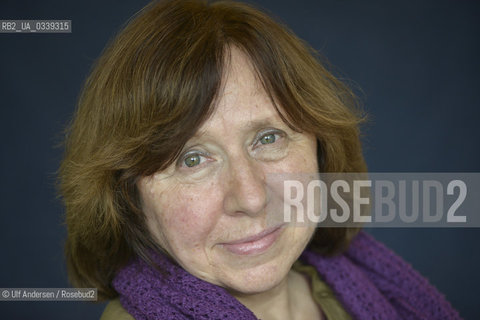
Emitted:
pixel 369 280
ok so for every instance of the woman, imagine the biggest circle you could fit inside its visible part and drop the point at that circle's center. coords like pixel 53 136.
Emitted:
pixel 165 178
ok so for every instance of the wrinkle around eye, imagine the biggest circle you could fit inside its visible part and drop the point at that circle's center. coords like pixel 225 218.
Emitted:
pixel 272 151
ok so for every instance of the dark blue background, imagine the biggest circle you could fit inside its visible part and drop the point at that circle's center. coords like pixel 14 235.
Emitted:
pixel 417 63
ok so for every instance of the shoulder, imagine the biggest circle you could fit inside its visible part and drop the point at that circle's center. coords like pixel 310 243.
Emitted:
pixel 115 311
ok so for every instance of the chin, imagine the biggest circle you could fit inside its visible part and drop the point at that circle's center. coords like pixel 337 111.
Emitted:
pixel 258 279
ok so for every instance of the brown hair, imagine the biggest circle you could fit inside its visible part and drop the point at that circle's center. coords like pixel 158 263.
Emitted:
pixel 149 92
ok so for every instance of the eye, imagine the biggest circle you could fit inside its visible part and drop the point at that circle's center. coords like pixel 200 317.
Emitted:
pixel 270 144
pixel 268 138
pixel 192 159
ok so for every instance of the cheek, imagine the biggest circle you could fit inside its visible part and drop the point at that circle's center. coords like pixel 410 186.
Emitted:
pixel 303 158
pixel 184 216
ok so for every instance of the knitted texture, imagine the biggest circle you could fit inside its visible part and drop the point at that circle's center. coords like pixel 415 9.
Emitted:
pixel 369 280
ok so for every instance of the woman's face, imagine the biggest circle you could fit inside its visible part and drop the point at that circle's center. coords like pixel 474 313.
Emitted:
pixel 209 209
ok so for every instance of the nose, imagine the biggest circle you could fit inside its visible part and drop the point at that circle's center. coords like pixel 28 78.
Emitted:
pixel 245 187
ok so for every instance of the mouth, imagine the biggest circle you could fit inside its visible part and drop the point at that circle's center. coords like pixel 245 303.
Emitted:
pixel 256 244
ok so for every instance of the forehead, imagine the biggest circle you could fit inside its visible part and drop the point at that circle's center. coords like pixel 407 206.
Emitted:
pixel 242 101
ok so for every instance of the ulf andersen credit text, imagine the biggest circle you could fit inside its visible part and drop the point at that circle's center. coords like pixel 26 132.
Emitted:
pixel 48 294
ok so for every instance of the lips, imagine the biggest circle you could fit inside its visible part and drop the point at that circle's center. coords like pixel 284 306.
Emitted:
pixel 256 244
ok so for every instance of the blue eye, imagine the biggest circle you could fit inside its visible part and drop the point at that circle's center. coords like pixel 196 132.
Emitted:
pixel 268 138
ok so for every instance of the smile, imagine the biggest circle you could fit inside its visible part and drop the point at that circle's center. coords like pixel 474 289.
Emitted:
pixel 256 244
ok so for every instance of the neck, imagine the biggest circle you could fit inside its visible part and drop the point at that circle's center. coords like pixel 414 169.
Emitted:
pixel 290 299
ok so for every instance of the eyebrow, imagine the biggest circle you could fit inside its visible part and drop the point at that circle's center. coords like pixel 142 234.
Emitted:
pixel 253 124
pixel 257 124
